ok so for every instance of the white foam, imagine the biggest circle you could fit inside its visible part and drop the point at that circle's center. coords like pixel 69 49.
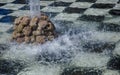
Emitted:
pixel 70 44
pixel 63 43
pixel 117 49
pixel 106 36
pixel 90 60
pixel 4 37
pixel 111 72
pixel 41 70
pixel 21 52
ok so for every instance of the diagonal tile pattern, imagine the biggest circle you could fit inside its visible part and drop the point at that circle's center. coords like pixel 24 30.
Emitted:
pixel 105 14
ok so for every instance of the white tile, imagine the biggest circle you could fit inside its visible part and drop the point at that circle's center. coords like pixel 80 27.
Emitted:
pixel 67 17
pixel 106 36
pixel 20 13
pixel 5 38
pixel 13 6
pixel 111 72
pixel 1 16
pixel 6 1
pixel 96 12
pixel 87 25
pixel 5 26
pixel 38 69
pixel 45 3
pixel 53 9
pixel 113 20
pixel 90 60
pixel 66 0
pixel 117 49
pixel 107 1
pixel 81 4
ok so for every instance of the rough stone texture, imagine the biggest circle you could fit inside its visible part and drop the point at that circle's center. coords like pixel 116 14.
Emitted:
pixel 35 30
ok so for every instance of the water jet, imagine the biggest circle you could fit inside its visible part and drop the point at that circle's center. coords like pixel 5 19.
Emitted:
pixel 34 8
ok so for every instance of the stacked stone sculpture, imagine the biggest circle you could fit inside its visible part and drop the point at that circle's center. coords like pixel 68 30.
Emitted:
pixel 33 30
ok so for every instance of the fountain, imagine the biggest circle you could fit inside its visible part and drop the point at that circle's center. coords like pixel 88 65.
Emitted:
pixel 80 49
pixel 34 29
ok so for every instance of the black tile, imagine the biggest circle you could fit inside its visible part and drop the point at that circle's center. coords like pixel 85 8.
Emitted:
pixel 5 11
pixel 62 26
pixel 26 7
pixel 115 12
pixel 86 1
pixel 50 14
pixel 1 4
pixel 98 47
pixel 109 27
pixel 91 18
pixel 41 7
pixel 3 47
pixel 47 0
pixel 9 67
pixel 99 5
pixel 20 1
pixel 81 71
pixel 119 1
pixel 114 63
pixel 74 10
pixel 60 3
pixel 10 30
pixel 7 19
pixel 1 33
pixel 51 57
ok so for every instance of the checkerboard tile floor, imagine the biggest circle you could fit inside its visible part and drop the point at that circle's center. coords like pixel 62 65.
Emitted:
pixel 98 9
pixel 104 12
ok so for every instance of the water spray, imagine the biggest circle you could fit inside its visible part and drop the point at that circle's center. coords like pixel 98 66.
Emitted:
pixel 34 8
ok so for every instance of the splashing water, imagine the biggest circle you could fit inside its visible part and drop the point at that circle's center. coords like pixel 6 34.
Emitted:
pixel 66 50
pixel 34 8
